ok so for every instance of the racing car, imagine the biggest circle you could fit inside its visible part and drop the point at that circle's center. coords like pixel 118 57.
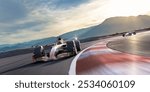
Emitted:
pixel 59 50
pixel 128 34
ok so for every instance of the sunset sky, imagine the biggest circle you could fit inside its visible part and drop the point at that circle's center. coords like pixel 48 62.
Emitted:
pixel 25 20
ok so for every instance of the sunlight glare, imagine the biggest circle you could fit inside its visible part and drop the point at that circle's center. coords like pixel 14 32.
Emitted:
pixel 128 7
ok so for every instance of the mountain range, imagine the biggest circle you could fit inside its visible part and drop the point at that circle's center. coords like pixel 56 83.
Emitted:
pixel 109 26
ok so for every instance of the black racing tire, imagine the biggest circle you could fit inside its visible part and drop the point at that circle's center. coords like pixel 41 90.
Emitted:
pixel 123 35
pixel 71 47
pixel 38 52
pixel 78 45
pixel 134 33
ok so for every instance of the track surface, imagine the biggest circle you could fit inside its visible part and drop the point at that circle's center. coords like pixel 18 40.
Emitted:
pixel 135 45
pixel 22 65
pixel 117 55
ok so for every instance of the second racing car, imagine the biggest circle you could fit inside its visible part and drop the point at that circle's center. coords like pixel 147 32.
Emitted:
pixel 125 34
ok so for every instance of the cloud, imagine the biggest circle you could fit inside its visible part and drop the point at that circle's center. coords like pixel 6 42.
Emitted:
pixel 84 15
pixel 27 20
pixel 11 10
pixel 65 4
pixel 55 4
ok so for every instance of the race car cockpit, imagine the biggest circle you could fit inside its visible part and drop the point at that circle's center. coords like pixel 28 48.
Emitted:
pixel 60 40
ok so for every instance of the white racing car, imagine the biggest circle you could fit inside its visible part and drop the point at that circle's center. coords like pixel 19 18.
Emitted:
pixel 57 51
pixel 128 34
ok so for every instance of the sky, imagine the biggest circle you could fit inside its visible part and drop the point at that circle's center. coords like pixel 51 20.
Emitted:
pixel 26 20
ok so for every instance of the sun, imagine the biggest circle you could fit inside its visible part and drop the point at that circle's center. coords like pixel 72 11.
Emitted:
pixel 128 7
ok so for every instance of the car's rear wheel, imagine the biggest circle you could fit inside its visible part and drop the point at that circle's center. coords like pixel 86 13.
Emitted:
pixel 134 33
pixel 78 46
pixel 71 47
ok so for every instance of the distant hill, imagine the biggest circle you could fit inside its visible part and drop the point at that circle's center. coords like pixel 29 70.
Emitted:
pixel 76 33
pixel 113 25
pixel 8 47
pixel 109 26
pixel 119 24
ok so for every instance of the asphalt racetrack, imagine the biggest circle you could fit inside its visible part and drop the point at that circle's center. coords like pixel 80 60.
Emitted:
pixel 116 55
pixel 23 65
